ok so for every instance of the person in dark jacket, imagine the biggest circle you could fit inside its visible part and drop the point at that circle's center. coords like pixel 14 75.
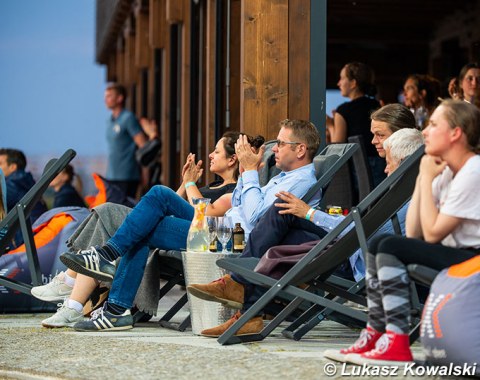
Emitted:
pixel 18 181
pixel 65 193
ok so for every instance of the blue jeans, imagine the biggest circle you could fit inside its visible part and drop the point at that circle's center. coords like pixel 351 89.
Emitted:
pixel 161 219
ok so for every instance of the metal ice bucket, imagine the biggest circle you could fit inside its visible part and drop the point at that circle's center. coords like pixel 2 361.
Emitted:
pixel 200 268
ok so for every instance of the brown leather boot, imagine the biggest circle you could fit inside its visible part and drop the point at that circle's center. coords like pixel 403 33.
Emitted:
pixel 224 290
pixel 253 326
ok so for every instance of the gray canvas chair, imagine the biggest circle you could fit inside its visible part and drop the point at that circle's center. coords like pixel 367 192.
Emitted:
pixel 326 165
pixel 19 218
pixel 361 168
pixel 316 267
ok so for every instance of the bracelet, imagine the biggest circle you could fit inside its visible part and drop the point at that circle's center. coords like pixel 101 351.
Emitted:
pixel 188 184
pixel 309 214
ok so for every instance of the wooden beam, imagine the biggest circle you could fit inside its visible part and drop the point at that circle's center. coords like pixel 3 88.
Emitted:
pixel 157 24
pixel 264 66
pixel 299 59
pixel 142 47
pixel 175 11
pixel 185 129
pixel 210 47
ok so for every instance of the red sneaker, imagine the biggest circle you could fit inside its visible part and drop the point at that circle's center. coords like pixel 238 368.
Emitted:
pixel 390 349
pixel 366 342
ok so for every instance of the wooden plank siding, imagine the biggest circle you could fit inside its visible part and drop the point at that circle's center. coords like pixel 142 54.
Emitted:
pixel 264 66
pixel 299 60
pixel 268 73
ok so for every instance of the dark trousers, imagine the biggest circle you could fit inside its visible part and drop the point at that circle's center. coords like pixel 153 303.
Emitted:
pixel 274 229
pixel 129 188
pixel 415 251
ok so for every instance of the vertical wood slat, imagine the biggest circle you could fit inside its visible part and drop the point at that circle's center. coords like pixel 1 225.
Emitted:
pixel 235 79
pixel 120 58
pixel 175 11
pixel 142 47
pixel 210 46
pixel 157 23
pixel 299 60
pixel 185 75
pixel 112 68
pixel 165 131
pixel 264 67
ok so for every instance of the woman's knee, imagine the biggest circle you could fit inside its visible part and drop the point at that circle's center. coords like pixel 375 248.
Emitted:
pixel 374 243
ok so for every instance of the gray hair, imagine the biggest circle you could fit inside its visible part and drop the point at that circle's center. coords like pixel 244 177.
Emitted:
pixel 403 143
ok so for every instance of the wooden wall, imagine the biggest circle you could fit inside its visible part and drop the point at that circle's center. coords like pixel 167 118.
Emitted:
pixel 268 74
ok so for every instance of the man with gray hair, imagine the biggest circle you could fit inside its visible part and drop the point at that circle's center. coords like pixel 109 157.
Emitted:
pixel 399 146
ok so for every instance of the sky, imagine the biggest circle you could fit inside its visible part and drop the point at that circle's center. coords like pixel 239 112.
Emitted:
pixel 51 89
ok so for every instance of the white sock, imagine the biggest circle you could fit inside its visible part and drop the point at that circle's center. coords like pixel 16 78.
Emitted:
pixel 68 280
pixel 75 305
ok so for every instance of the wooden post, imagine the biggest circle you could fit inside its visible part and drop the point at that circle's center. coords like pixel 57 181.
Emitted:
pixel 264 66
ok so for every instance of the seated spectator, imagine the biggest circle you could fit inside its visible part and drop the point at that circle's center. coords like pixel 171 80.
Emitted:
pixel 298 224
pixel 421 94
pixel 239 293
pixel 442 227
pixel 467 85
pixel 13 163
pixel 65 193
pixel 353 117
pixel 146 225
pixel 76 289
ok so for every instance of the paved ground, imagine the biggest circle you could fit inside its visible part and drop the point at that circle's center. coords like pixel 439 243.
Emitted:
pixel 28 351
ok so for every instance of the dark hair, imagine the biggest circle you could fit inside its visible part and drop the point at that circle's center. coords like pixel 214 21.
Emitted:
pixel 363 75
pixel 431 86
pixel 396 115
pixel 14 156
pixel 304 131
pixel 70 172
pixel 229 140
pixel 119 89
pixel 466 116
pixel 464 70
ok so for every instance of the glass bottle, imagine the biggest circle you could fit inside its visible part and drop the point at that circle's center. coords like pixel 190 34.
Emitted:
pixel 198 238
pixel 238 238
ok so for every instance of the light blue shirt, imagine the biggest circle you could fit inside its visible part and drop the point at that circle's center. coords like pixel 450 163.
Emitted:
pixel 357 261
pixel 250 201
pixel 122 165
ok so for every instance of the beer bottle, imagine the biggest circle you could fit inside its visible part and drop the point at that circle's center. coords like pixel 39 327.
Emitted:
pixel 213 245
pixel 238 238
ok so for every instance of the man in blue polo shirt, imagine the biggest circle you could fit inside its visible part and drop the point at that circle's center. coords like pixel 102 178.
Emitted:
pixel 124 135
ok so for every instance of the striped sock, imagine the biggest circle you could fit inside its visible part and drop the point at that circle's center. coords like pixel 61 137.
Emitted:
pixel 395 286
pixel 108 252
pixel 115 309
pixel 376 316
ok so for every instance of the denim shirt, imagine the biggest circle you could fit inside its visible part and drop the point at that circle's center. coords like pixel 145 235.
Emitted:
pixel 250 201
pixel 357 260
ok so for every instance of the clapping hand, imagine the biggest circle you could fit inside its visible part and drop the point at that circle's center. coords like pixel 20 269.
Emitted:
pixel 248 157
pixel 192 171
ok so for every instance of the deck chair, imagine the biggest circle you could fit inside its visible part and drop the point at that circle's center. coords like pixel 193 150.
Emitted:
pixel 314 268
pixel 363 173
pixel 19 218
pixel 326 163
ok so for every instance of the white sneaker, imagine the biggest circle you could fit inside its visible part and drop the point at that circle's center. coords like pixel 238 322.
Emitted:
pixel 64 317
pixel 55 291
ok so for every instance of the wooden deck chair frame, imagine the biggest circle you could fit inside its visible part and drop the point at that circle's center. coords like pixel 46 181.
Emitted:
pixel 19 218
pixel 326 163
pixel 314 269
